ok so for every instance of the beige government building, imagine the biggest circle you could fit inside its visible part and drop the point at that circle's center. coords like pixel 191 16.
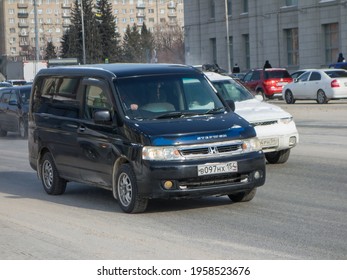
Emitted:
pixel 17 22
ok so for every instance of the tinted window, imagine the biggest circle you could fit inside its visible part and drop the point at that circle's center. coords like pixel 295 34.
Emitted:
pixel 57 96
pixel 276 74
pixel 315 76
pixel 336 74
pixel 256 76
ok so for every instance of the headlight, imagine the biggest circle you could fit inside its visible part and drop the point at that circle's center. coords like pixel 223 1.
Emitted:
pixel 160 153
pixel 251 145
pixel 285 120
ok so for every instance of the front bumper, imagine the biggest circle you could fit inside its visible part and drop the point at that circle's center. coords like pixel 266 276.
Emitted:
pixel 183 176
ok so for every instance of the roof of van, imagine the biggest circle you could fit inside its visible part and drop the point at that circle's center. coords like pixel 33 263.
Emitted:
pixel 125 69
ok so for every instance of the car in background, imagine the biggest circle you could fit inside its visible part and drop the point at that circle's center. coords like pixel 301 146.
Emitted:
pixel 17 82
pixel 267 82
pixel 339 65
pixel 321 85
pixel 5 84
pixel 14 104
pixel 275 127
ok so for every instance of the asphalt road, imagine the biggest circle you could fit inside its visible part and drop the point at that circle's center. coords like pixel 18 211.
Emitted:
pixel 300 213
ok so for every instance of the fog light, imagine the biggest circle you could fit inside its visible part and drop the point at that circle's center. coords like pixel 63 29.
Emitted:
pixel 168 185
pixel 257 175
pixel 292 141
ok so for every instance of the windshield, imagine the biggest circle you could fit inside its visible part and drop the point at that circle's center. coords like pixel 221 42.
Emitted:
pixel 231 90
pixel 169 96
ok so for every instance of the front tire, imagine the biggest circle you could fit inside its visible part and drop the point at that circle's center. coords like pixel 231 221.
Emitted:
pixel 289 98
pixel 52 183
pixel 277 157
pixel 127 192
pixel 243 196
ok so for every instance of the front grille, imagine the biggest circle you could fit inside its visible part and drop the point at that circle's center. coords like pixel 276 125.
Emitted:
pixel 263 123
pixel 207 181
pixel 213 149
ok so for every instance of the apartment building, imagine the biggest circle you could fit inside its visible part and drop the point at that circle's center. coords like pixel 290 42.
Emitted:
pixel 289 33
pixel 17 22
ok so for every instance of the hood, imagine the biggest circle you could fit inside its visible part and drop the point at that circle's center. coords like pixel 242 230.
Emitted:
pixel 192 130
pixel 254 110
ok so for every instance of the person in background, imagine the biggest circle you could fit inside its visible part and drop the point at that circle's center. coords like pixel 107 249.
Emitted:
pixel 236 68
pixel 340 58
pixel 267 64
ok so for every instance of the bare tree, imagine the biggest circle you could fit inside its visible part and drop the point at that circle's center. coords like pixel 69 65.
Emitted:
pixel 169 43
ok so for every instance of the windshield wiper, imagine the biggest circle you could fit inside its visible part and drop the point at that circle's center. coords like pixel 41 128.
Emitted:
pixel 215 110
pixel 175 115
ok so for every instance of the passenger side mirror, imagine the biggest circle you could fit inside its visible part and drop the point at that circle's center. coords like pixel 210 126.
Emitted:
pixel 102 116
pixel 231 104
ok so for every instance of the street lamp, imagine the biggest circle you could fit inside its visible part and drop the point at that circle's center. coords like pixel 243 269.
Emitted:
pixel 228 40
pixel 83 37
pixel 37 47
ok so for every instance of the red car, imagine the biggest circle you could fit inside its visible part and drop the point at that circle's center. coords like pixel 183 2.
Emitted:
pixel 267 82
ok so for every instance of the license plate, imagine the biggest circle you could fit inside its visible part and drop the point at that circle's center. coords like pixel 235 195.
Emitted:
pixel 217 168
pixel 269 142
pixel 281 84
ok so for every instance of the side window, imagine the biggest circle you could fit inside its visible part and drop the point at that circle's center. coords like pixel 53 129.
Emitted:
pixel 57 96
pixel 255 76
pixel 95 99
pixel 315 76
pixel 304 77
pixel 248 76
pixel 5 97
pixel 13 97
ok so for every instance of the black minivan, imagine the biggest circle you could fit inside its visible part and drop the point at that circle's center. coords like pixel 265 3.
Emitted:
pixel 14 104
pixel 143 131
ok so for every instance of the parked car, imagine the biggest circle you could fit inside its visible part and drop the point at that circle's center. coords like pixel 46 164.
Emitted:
pixel 339 65
pixel 275 127
pixel 14 102
pixel 17 82
pixel 267 82
pixel 321 85
pixel 143 131
pixel 5 84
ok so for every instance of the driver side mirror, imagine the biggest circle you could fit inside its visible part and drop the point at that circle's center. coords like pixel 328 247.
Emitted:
pixel 231 104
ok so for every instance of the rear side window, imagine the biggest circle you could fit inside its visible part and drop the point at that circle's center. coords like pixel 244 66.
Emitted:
pixel 56 96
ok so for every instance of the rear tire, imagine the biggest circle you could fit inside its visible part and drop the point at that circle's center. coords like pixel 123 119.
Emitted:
pixel 243 196
pixel 277 157
pixel 52 183
pixel 127 192
pixel 321 97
